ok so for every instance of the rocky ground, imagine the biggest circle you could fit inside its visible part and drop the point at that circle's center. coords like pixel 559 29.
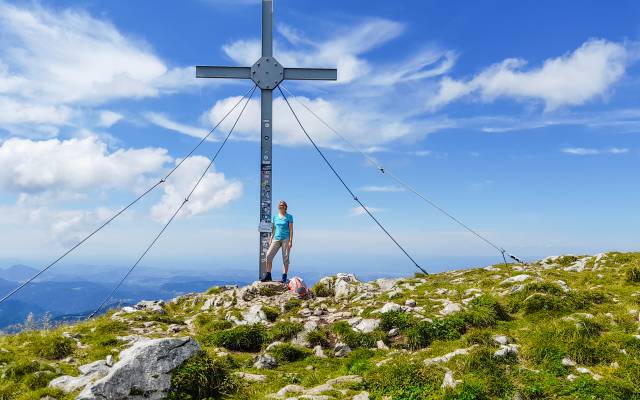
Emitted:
pixel 562 327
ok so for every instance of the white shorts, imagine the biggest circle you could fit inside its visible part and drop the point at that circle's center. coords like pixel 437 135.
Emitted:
pixel 275 246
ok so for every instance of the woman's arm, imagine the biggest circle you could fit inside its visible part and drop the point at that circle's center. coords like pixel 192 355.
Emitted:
pixel 290 234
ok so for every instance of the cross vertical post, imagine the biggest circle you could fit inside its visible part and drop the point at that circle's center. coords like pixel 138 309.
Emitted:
pixel 266 142
pixel 267 73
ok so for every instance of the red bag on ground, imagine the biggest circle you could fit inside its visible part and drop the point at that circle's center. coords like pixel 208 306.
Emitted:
pixel 297 285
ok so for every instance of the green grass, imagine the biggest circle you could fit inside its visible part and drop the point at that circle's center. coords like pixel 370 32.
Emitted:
pixel 248 338
pixel 285 330
pixel 289 353
pixel 202 377
pixel 594 324
pixel 322 290
pixel 318 337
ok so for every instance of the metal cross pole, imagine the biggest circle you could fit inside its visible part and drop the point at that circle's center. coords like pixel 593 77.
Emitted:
pixel 267 73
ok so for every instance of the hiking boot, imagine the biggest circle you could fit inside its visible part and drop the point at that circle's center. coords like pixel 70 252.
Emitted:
pixel 267 277
pixel 284 279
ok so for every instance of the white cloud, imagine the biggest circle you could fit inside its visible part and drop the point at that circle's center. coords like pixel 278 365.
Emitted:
pixel 18 112
pixel 583 151
pixel 359 210
pixel 164 122
pixel 215 190
pixel 343 50
pixel 28 166
pixel 365 127
pixel 109 118
pixel 572 79
pixel 617 150
pixel 381 189
pixel 54 60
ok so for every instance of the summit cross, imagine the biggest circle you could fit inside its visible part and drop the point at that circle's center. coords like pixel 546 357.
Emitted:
pixel 267 73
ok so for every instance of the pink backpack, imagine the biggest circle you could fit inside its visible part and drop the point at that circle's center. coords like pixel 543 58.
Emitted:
pixel 297 285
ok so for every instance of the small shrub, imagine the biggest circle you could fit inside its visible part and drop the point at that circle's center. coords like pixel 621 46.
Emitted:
pixel 318 337
pixel 404 379
pixel 38 380
pixel 21 368
pixel 396 319
pixel 542 302
pixel 201 378
pixel 271 313
pixel 207 323
pixel 214 290
pixel 241 338
pixel 477 336
pixel 485 311
pixel 292 304
pixel 583 299
pixel 633 274
pixel 289 353
pixel 52 346
pixel 267 291
pixel 490 371
pixel 448 328
pixel 544 349
pixel 285 330
pixel 565 261
pixel 323 290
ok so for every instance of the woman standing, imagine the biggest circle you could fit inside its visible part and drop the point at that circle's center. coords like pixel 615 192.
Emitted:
pixel 281 237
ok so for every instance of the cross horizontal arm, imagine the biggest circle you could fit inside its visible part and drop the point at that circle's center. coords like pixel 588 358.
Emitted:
pixel 223 72
pixel 311 74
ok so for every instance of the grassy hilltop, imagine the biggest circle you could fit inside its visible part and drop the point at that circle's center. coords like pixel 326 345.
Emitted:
pixel 561 328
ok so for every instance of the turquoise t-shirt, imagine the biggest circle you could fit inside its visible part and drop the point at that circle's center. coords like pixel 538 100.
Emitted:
pixel 282 226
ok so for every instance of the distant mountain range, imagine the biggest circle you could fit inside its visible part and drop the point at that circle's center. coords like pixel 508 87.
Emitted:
pixel 65 296
pixel 17 273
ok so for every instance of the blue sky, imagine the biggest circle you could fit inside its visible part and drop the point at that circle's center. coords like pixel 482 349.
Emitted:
pixel 520 119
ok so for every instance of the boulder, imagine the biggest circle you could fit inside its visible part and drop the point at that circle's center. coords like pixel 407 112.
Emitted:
pixel 341 350
pixel 254 315
pixel 448 381
pixel 345 285
pixel 506 349
pixel 317 351
pixel 152 306
pixel 451 308
pixel 388 307
pixel 258 289
pixel 250 377
pixel 282 393
pixel 367 325
pixel 143 370
pixel 265 361
pixel 88 373
pixel 516 278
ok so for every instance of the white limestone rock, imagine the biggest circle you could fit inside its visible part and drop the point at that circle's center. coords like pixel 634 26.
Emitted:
pixel 341 350
pixel 367 325
pixel 345 285
pixel 448 381
pixel 515 279
pixel 265 361
pixel 451 308
pixel 388 307
pixel 144 368
pixel 89 373
pixel 250 377
pixel 254 315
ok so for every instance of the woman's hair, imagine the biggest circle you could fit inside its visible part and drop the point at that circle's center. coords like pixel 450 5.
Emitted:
pixel 283 203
